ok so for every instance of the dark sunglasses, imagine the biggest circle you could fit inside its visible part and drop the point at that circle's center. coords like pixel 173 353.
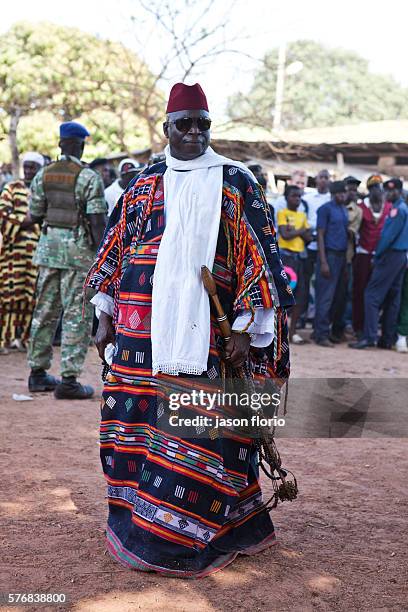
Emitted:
pixel 186 123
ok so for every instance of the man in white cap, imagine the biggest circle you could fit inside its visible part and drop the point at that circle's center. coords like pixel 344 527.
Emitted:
pixel 128 169
pixel 18 274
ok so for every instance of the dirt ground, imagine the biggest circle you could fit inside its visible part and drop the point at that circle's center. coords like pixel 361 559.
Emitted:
pixel 342 545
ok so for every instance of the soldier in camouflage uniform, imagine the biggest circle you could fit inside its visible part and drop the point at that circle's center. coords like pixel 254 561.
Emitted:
pixel 68 199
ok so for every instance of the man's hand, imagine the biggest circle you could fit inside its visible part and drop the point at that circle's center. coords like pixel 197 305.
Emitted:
pixel 325 270
pixel 237 349
pixel 98 224
pixel 307 234
pixel 105 334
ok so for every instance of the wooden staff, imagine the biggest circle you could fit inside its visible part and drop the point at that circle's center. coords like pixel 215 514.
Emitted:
pixel 264 442
pixel 209 284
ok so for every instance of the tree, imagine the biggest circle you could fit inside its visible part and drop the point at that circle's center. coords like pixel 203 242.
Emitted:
pixel 334 87
pixel 189 37
pixel 110 132
pixel 69 74
pixel 50 73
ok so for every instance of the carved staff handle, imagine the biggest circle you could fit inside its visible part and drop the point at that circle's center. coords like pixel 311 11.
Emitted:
pixel 209 284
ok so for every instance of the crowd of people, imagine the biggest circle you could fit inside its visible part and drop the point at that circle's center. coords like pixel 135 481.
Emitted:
pixel 188 505
pixel 350 241
pixel 343 246
pixel 51 222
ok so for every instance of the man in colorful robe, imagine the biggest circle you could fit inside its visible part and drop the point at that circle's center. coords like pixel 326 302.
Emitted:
pixel 18 274
pixel 185 506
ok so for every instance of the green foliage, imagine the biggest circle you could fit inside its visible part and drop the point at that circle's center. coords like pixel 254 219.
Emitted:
pixel 334 87
pixel 38 131
pixel 50 74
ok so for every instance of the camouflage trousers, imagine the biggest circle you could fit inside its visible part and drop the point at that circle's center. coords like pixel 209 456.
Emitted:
pixel 60 291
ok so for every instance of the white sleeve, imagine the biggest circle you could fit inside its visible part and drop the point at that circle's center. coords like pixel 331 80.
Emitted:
pixel 263 326
pixel 103 303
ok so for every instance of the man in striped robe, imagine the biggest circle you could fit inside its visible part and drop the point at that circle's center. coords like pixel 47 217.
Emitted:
pixel 185 505
pixel 18 274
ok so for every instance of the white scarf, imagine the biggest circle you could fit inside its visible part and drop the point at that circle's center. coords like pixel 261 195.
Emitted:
pixel 180 329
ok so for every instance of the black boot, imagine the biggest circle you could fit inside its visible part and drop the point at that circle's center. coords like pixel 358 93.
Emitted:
pixel 70 388
pixel 39 380
pixel 382 344
pixel 361 344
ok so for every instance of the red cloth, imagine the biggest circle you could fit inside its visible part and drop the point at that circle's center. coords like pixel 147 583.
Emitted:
pixel 370 229
pixel 186 97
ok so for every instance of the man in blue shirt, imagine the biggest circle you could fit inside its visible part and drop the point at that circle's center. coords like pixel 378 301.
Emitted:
pixel 312 201
pixel 385 285
pixel 332 235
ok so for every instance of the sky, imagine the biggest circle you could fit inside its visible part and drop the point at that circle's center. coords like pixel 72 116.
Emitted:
pixel 376 31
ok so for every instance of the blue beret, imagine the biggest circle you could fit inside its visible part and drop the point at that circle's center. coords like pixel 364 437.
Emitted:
pixel 72 129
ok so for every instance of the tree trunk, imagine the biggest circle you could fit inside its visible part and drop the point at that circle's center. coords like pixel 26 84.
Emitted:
pixel 15 115
pixel 121 134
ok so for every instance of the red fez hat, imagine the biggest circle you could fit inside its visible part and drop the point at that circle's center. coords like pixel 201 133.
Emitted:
pixel 186 97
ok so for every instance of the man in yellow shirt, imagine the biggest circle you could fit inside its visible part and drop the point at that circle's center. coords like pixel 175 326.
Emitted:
pixel 294 234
